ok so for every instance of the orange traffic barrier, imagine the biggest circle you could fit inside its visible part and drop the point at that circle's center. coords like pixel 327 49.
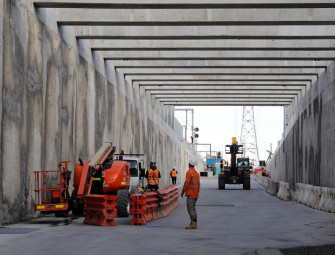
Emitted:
pixel 148 207
pixel 100 210
pixel 138 209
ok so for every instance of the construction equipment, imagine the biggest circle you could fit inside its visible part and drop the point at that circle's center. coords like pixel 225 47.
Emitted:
pixel 136 168
pixel 239 170
pixel 53 198
pixel 101 175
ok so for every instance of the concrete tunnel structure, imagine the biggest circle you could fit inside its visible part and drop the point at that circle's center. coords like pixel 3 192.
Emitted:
pixel 77 73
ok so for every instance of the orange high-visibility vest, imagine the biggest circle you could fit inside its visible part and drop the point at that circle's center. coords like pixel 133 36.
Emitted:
pixel 192 183
pixel 173 173
pixel 153 176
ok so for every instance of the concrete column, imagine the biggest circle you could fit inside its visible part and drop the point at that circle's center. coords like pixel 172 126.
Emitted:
pixel 91 104
pixel 2 7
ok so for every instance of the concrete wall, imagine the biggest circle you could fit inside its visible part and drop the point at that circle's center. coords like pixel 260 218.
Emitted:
pixel 59 105
pixel 306 154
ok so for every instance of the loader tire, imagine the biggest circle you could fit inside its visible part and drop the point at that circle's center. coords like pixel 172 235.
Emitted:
pixel 122 203
pixel 221 180
pixel 246 182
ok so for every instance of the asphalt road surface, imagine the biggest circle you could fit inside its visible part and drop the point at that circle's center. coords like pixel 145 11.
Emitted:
pixel 231 221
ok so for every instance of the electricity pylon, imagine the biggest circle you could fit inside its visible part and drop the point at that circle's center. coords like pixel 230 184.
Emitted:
pixel 248 135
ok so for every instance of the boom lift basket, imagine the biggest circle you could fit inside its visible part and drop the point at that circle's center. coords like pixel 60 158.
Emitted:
pixel 51 198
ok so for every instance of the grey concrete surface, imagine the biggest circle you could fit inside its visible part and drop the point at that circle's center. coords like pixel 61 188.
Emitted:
pixel 232 221
pixel 179 17
pixel 143 3
pixel 232 44
pixel 205 32
pixel 304 155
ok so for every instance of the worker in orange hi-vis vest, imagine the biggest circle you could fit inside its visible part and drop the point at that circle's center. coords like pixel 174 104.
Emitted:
pixel 192 188
pixel 153 175
pixel 173 175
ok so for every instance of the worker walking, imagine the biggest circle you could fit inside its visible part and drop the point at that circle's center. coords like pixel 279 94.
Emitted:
pixel 173 175
pixel 192 188
pixel 153 176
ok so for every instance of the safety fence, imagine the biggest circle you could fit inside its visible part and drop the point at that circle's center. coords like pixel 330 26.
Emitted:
pixel 151 206
pixel 100 210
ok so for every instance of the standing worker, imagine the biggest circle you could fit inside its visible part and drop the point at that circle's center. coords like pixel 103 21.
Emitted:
pixel 192 188
pixel 153 176
pixel 173 175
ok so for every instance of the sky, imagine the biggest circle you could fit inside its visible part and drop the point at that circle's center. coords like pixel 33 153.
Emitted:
pixel 218 124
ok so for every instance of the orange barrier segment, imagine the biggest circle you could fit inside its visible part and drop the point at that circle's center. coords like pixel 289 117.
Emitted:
pixel 100 210
pixel 147 207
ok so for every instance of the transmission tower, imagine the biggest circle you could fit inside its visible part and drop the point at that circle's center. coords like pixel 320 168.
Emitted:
pixel 248 135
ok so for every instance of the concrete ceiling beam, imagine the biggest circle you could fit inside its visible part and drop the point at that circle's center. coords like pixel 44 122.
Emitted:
pixel 231 95
pixel 209 87
pixel 214 83
pixel 222 71
pixel 226 103
pixel 144 4
pixel 217 64
pixel 224 92
pixel 186 17
pixel 219 55
pixel 287 32
pixel 227 44
pixel 228 99
pixel 227 77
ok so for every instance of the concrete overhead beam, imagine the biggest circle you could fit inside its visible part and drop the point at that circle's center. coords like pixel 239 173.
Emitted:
pixel 226 103
pixel 222 71
pixel 232 95
pixel 204 78
pixel 224 92
pixel 218 64
pixel 227 44
pixel 219 55
pixel 186 99
pixel 144 4
pixel 214 83
pixel 218 87
pixel 186 17
pixel 227 77
pixel 205 32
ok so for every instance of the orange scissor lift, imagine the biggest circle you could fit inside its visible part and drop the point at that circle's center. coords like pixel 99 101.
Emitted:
pixel 50 199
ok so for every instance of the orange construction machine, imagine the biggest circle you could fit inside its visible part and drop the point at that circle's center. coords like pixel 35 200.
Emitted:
pixel 102 174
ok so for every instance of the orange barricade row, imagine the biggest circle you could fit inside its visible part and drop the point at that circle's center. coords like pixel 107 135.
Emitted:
pixel 100 210
pixel 147 207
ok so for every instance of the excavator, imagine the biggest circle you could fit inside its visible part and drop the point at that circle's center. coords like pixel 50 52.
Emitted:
pixel 239 170
pixel 102 174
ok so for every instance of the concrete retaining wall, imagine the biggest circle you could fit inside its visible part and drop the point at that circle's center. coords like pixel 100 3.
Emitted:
pixel 306 154
pixel 58 105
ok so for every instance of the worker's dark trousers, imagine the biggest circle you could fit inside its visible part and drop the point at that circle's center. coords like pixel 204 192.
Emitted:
pixel 174 180
pixel 191 207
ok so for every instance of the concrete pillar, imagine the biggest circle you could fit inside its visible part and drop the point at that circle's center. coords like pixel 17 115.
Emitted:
pixel 2 7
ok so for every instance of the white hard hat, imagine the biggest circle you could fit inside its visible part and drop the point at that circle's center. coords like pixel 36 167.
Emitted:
pixel 192 162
